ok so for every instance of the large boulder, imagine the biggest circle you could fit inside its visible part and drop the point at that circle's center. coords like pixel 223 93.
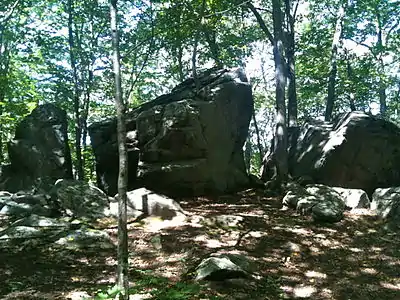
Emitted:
pixel 354 151
pixel 386 204
pixel 188 142
pixel 143 202
pixel 324 203
pixel 39 151
pixel 79 199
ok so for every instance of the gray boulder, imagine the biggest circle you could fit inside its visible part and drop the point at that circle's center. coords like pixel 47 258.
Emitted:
pixel 353 198
pixel 386 203
pixel 144 202
pixel 12 208
pixel 323 203
pixel 356 150
pixel 79 199
pixel 221 267
pixel 40 221
pixel 187 142
pixel 84 238
pixel 39 151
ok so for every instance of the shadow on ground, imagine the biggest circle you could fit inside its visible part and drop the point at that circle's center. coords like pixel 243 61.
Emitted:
pixel 295 258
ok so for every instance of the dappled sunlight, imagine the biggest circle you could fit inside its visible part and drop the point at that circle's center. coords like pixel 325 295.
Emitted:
pixel 315 274
pixel 390 286
pixel 353 259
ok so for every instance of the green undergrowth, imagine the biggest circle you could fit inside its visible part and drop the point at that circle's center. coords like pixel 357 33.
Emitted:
pixel 157 287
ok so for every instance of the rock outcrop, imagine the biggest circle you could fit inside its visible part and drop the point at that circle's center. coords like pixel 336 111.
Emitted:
pixel 386 204
pixel 354 151
pixel 188 142
pixel 39 152
pixel 324 203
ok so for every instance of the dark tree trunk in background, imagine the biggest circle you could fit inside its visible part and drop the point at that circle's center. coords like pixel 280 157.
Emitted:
pixel 212 43
pixel 382 84
pixel 76 96
pixel 290 51
pixel 280 151
pixel 330 102
pixel 123 160
pixel 260 148
pixel 180 64
pixel 196 42
pixel 349 70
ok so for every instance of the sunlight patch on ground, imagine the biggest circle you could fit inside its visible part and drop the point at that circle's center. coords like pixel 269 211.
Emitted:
pixel 369 271
pixel 390 286
pixel 140 296
pixel 107 280
pixel 300 291
pixel 210 243
pixel 315 274
pixel 376 249
pixel 77 295
pixel 304 291
pixel 331 244
pixel 110 261
pixel 156 224
pixel 356 250
pixel 257 234
pixel 296 230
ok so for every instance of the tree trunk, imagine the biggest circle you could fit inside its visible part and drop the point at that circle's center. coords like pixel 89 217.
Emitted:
pixel 280 150
pixel 350 80
pixel 123 160
pixel 180 63
pixel 247 155
pixel 196 42
pixel 4 82
pixel 330 102
pixel 78 126
pixel 85 114
pixel 260 150
pixel 290 50
pixel 211 41
pixel 382 84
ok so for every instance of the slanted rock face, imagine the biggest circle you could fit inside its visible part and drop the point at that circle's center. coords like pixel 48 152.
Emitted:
pixel 186 142
pixel 39 150
pixel 386 203
pixel 355 151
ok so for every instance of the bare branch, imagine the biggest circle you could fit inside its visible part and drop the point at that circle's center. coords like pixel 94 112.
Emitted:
pixel 226 10
pixel 388 35
pixel 8 14
pixel 261 22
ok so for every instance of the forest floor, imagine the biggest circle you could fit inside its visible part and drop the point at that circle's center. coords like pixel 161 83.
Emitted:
pixel 295 258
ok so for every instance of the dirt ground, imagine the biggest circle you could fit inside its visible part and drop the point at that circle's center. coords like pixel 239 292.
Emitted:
pixel 295 258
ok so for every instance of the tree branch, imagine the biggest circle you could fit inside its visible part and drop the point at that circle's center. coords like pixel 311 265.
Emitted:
pixel 261 22
pixel 8 14
pixel 390 30
pixel 226 10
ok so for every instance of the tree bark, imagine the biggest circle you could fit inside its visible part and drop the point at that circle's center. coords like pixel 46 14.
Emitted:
pixel 382 84
pixel 349 70
pixel 123 160
pixel 180 63
pixel 76 96
pixel 260 150
pixel 330 102
pixel 196 42
pixel 211 41
pixel 280 150
pixel 290 51
pixel 4 82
